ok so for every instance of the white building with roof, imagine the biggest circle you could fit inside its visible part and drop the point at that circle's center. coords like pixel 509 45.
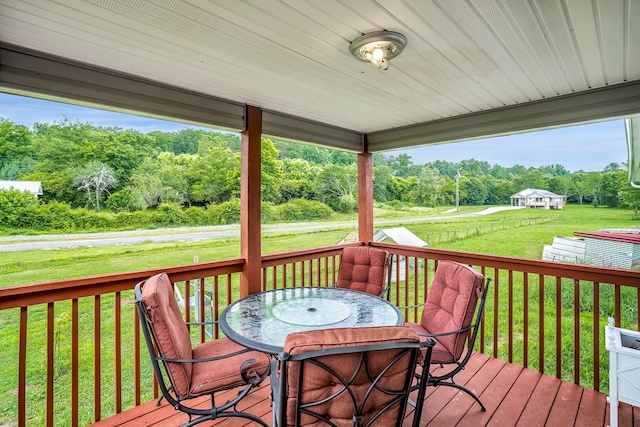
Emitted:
pixel 535 198
pixel 33 187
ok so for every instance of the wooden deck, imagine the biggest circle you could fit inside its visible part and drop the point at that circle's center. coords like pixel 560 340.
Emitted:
pixel 513 395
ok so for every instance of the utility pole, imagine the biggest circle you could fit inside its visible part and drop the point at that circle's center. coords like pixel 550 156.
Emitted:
pixel 458 191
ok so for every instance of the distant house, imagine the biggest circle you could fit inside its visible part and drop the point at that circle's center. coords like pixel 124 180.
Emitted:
pixel 535 198
pixel 33 187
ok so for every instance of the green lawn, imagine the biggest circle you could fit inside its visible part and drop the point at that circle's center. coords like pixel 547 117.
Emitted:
pixel 519 233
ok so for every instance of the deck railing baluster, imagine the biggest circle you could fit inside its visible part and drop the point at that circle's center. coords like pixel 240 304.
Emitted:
pixel 510 315
pixel 118 350
pixel 97 357
pixel 576 331
pixel 540 323
pixel 74 363
pixel 50 362
pixel 596 336
pixel 558 327
pixel 525 321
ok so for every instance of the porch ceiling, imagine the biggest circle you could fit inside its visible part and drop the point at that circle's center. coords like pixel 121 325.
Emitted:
pixel 471 68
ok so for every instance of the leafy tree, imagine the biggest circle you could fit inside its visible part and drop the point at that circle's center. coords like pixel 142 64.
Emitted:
pixel 14 169
pixel 630 198
pixel 500 172
pixel 298 178
pixel 429 188
pixel 612 167
pixel 554 170
pixel 531 179
pixel 57 185
pixel 15 142
pixel 403 166
pixel 561 185
pixel 591 187
pixel 271 174
pixel 214 173
pixel 472 191
pixel 381 177
pixel 162 179
pixel 474 167
pixel 95 179
pixel 343 158
pixel 446 168
pixel 12 202
pixel 502 191
pixel 611 183
pixel 121 201
pixel 402 188
pixel 334 182
pixel 310 153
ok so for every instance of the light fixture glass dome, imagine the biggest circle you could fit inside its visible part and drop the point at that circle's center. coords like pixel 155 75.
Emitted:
pixel 378 47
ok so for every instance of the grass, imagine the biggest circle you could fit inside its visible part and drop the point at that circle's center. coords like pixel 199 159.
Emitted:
pixel 520 233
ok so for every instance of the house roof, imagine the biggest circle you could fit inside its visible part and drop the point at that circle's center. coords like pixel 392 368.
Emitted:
pixel 633 238
pixel 33 187
pixel 470 69
pixel 400 235
pixel 528 192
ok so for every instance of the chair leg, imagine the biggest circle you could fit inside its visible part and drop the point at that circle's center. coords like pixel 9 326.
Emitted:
pixel 461 388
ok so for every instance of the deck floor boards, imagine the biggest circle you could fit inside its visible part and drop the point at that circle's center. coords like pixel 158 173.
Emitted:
pixel 512 394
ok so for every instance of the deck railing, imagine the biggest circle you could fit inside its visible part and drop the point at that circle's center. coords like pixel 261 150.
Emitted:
pixel 78 355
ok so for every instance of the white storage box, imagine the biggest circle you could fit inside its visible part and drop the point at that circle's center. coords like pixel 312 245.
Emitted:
pixel 624 368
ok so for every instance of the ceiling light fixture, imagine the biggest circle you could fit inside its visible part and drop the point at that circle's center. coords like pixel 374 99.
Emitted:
pixel 378 47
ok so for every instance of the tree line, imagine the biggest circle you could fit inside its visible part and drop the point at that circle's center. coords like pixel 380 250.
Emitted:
pixel 83 165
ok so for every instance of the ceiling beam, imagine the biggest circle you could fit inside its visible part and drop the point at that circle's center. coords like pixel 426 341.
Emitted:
pixel 30 73
pixel 617 101
pixel 36 74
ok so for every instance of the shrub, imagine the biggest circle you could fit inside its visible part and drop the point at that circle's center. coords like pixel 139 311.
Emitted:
pixel 304 210
pixel 195 216
pixel 226 212
pixel 169 214
pixel 269 213
pixel 347 204
pixel 120 201
pixel 12 202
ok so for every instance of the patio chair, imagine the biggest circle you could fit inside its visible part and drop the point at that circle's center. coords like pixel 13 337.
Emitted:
pixel 190 372
pixel 448 316
pixel 348 376
pixel 365 269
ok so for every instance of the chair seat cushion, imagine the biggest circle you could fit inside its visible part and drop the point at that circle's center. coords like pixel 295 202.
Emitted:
pixel 440 353
pixel 208 376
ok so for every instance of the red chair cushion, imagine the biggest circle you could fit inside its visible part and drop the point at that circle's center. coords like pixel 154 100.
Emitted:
pixel 172 336
pixel 450 305
pixel 208 376
pixel 364 269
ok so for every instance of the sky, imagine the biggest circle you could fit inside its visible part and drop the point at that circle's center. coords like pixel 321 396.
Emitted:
pixel 589 147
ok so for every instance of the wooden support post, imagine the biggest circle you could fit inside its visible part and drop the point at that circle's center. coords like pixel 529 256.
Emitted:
pixel 365 194
pixel 250 242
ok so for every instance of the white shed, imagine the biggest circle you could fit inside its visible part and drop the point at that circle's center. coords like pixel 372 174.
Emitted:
pixel 401 236
pixel 33 187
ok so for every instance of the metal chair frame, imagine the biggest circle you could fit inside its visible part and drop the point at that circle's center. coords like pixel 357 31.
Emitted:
pixel 228 409
pixel 279 383
pixel 447 378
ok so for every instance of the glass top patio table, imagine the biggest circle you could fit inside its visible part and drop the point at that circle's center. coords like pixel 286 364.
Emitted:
pixel 262 321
